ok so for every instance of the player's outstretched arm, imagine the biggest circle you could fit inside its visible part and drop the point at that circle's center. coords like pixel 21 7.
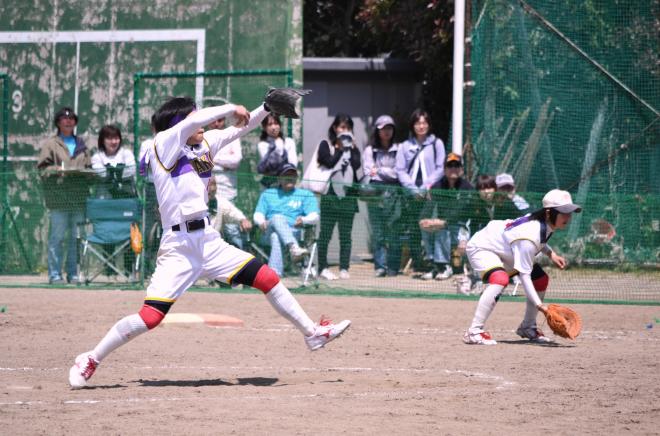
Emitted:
pixel 219 138
pixel 178 134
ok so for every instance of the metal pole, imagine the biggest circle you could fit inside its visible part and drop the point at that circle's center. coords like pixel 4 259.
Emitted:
pixel 468 159
pixel 457 95
pixel 5 154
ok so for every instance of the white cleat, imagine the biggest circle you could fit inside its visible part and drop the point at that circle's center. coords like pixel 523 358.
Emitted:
pixel 478 338
pixel 533 334
pixel 82 370
pixel 325 332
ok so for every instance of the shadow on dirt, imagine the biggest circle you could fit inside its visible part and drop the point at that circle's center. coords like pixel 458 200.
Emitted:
pixel 250 381
pixel 535 344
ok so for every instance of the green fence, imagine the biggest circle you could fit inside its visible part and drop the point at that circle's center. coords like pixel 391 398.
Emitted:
pixel 567 94
pixel 613 247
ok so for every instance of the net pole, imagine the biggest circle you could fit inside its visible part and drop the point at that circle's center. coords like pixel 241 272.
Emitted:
pixel 457 94
pixel 4 209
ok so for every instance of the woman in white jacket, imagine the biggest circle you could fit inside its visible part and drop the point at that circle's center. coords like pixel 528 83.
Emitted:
pixel 115 164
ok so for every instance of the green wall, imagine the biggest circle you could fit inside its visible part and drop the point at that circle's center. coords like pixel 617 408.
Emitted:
pixel 92 67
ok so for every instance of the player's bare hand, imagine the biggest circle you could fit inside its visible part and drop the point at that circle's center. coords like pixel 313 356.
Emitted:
pixel 558 260
pixel 299 222
pixel 242 115
pixel 264 225
pixel 245 225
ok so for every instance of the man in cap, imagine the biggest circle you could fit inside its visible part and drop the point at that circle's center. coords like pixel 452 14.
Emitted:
pixel 506 248
pixel 65 193
pixel 281 213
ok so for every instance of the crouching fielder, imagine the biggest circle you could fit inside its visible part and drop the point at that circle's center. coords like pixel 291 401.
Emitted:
pixel 506 248
pixel 181 160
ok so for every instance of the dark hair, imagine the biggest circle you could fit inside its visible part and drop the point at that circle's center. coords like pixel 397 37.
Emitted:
pixel 340 118
pixel 264 124
pixel 376 137
pixel 172 111
pixel 415 116
pixel 539 215
pixel 108 131
pixel 485 181
pixel 65 112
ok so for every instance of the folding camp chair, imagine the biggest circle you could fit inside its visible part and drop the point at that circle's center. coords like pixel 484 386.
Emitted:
pixel 110 222
pixel 307 265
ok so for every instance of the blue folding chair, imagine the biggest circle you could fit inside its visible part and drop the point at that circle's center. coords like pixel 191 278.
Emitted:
pixel 110 221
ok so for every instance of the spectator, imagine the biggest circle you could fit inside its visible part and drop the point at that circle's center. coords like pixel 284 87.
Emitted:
pixel 378 163
pixel 340 153
pixel 483 205
pixel 226 163
pixel 449 196
pixel 419 165
pixel 65 194
pixel 282 212
pixel 116 167
pixel 510 204
pixel 115 164
pixel 224 211
pixel 274 150
pixel 482 211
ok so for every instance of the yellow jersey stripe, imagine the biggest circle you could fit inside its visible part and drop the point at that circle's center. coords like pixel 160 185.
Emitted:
pixel 238 268
pixel 500 266
pixel 164 300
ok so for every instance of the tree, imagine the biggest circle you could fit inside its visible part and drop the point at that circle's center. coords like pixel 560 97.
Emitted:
pixel 419 30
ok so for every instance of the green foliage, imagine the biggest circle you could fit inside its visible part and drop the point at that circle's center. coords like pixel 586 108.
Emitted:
pixel 419 30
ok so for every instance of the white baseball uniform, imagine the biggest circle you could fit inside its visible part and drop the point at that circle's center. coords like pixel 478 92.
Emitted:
pixel 511 245
pixel 182 194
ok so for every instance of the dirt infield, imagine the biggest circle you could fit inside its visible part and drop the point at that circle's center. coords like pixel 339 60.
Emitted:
pixel 400 369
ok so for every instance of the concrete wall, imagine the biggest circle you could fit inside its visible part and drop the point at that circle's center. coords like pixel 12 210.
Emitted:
pixel 363 88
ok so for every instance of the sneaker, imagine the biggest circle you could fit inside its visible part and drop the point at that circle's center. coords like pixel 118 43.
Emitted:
pixel 297 252
pixel 325 332
pixel 57 280
pixel 327 274
pixel 446 274
pixel 72 279
pixel 478 338
pixel 380 272
pixel 428 275
pixel 533 334
pixel 463 285
pixel 344 275
pixel 82 370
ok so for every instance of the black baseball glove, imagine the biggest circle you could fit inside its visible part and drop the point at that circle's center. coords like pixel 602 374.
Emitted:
pixel 282 101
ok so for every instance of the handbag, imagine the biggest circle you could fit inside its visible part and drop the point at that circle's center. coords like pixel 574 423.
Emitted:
pixel 316 177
